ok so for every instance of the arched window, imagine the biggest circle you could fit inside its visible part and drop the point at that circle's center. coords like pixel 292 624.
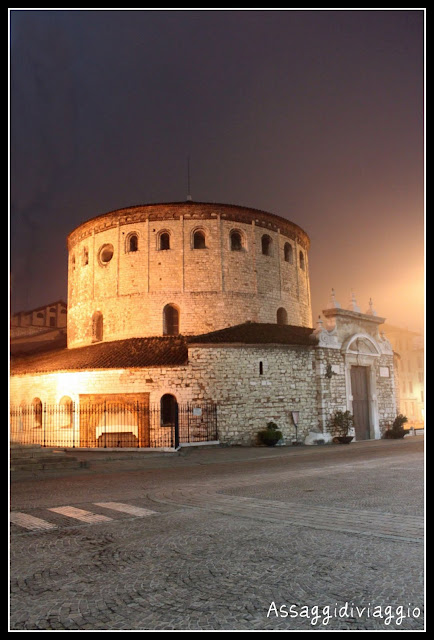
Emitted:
pixel 168 410
pixel 236 240
pixel 282 316
pixel 301 256
pixel 266 245
pixel 170 320
pixel 66 412
pixel 133 243
pixel 85 258
pixel 287 252
pixel 73 263
pixel 37 413
pixel 164 241
pixel 97 326
pixel 199 239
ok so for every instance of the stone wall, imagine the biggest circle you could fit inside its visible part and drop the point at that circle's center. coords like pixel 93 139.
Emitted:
pixel 213 287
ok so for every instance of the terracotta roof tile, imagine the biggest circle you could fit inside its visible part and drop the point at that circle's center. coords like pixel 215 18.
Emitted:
pixel 155 352
pixel 258 333
pixel 120 354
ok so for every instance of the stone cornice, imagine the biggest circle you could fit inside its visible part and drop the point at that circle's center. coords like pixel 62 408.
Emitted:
pixel 189 211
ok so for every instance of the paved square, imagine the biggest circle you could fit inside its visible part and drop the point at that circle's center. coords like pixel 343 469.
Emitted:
pixel 248 540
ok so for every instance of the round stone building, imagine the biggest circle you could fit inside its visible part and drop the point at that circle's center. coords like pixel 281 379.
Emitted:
pixel 184 268
pixel 191 322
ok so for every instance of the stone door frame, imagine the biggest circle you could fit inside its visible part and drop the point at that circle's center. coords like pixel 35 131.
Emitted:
pixel 354 357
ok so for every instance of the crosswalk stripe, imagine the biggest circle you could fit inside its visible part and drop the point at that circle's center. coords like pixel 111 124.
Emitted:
pixel 81 514
pixel 30 522
pixel 126 508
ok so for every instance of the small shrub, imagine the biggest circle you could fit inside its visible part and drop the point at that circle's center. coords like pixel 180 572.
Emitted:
pixel 397 430
pixel 270 436
pixel 342 423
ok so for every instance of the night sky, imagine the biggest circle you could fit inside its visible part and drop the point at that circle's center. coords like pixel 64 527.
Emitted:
pixel 316 116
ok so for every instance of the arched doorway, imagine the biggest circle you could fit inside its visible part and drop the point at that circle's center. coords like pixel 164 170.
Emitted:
pixel 169 416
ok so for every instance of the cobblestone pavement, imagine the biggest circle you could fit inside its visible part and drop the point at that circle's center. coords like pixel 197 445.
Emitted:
pixel 283 541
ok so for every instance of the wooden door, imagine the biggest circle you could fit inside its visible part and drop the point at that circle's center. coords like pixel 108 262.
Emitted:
pixel 360 392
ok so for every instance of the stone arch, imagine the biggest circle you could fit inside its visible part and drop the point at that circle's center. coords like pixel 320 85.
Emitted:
pixel 198 239
pixel 168 409
pixel 361 344
pixel 66 408
pixel 132 242
pixel 282 316
pixel 301 260
pixel 288 253
pixel 360 352
pixel 97 327
pixel 266 245
pixel 170 320
pixel 163 240
pixel 37 413
pixel 236 240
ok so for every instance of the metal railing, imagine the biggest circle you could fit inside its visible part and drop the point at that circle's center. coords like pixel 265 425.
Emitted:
pixel 112 424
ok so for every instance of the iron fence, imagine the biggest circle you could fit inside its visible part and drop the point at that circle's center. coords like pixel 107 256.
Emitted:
pixel 112 424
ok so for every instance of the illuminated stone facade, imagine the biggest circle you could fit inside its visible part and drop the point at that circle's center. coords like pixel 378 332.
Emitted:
pixel 214 265
pixel 205 303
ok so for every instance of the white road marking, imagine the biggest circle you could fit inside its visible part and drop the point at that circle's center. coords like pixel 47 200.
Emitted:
pixel 30 522
pixel 126 508
pixel 81 514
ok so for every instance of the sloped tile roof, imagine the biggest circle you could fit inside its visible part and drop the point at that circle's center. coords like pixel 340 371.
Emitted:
pixel 258 333
pixel 155 352
pixel 120 354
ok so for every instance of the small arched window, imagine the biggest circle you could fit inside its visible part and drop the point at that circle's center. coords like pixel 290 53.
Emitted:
pixel 170 320
pixel 85 258
pixel 97 327
pixel 168 410
pixel 266 245
pixel 37 413
pixel 236 241
pixel 66 412
pixel 287 252
pixel 164 241
pixel 282 316
pixel 133 243
pixel 301 257
pixel 199 239
pixel 73 263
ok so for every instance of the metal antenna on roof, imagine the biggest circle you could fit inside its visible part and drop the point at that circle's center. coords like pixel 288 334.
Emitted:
pixel 188 178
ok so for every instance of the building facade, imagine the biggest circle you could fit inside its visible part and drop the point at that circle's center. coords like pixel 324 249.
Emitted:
pixel 409 345
pixel 184 268
pixel 200 305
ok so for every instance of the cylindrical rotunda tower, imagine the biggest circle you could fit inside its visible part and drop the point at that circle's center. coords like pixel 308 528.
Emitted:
pixel 186 268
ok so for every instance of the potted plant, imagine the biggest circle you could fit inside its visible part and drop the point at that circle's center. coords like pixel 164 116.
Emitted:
pixel 342 424
pixel 271 435
pixel 397 430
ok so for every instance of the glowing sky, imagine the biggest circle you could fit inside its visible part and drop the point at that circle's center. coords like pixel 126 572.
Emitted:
pixel 316 116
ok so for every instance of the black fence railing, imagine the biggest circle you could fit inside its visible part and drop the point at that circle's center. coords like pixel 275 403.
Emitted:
pixel 112 424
